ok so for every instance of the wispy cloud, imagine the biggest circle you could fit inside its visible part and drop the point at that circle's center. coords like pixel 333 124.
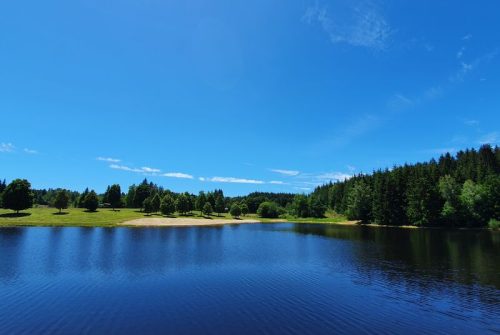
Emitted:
pixel 286 172
pixel 307 189
pixel 360 24
pixel 108 159
pixel 144 169
pixel 467 67
pixel 177 175
pixel 151 171
pixel 399 102
pixel 471 123
pixel 30 151
pixel 490 138
pixel 278 182
pixel 467 37
pixel 7 147
pixel 232 180
pixel 333 176
pixel 125 168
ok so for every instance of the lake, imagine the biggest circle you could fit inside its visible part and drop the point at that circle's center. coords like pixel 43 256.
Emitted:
pixel 249 279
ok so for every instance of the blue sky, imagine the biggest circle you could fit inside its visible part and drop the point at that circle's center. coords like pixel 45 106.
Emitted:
pixel 241 95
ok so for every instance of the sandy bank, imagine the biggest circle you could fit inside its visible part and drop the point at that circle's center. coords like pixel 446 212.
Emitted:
pixel 179 222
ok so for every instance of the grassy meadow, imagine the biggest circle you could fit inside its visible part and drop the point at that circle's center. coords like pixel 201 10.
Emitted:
pixel 105 217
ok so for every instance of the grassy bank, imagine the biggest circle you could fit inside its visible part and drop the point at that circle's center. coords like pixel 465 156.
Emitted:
pixel 105 217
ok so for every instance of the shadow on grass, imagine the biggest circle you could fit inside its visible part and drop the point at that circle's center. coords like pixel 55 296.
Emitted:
pixel 60 213
pixel 14 215
pixel 89 211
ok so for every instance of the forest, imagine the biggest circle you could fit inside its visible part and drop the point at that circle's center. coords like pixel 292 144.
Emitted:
pixel 455 191
pixel 461 190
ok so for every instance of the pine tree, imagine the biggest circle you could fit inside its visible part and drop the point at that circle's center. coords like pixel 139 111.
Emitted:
pixel 114 196
pixel 219 204
pixel 61 200
pixel 201 199
pixel 155 203
pixel 91 201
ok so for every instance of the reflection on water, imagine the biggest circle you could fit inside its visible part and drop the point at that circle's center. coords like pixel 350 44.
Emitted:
pixel 465 256
pixel 262 278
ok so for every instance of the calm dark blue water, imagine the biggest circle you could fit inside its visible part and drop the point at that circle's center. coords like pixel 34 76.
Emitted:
pixel 249 279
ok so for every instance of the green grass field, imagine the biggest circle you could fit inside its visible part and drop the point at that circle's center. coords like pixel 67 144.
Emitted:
pixel 105 217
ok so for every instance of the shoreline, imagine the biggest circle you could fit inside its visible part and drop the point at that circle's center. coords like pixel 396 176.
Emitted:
pixel 47 217
pixel 182 222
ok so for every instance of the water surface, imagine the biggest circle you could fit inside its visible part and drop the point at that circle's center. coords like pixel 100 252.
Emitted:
pixel 248 279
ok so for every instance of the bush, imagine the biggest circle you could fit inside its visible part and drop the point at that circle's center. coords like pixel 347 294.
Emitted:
pixel 494 224
pixel 268 209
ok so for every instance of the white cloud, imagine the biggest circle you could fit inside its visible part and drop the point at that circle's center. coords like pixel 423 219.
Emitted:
pixel 30 151
pixel 202 178
pixel 336 176
pixel 360 25
pixel 150 170
pixel 125 168
pixel 277 182
pixel 177 175
pixel 234 180
pixel 490 138
pixel 108 159
pixel 286 172
pixel 7 147
pixel 303 188
pixel 467 37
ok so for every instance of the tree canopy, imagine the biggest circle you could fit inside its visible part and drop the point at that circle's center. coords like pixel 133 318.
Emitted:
pixel 61 200
pixel 18 196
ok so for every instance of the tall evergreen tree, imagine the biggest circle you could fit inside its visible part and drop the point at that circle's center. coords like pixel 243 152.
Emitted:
pixel 201 199
pixel 359 202
pixel 91 201
pixel 155 203
pixel 114 196
pixel 219 204
pixel 61 200
pixel 423 202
